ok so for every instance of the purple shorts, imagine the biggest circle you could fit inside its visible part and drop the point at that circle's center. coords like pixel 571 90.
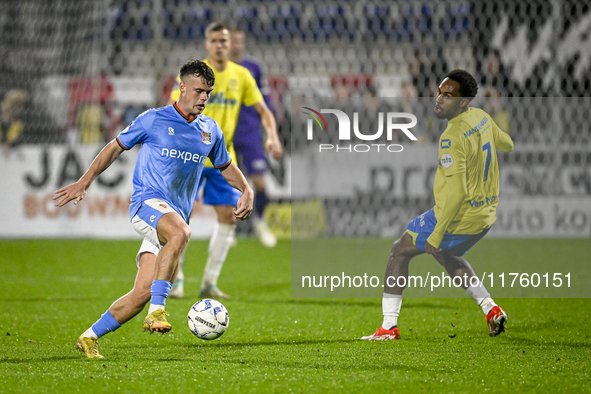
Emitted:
pixel 251 156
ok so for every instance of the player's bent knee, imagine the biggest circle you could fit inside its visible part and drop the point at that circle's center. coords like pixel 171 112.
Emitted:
pixel 396 249
pixel 403 246
pixel 183 234
pixel 225 214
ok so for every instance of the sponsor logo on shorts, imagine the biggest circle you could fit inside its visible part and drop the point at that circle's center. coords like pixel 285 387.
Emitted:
pixel 259 164
pixel 152 218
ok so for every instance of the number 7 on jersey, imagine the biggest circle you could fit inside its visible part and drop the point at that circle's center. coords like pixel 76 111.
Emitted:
pixel 486 148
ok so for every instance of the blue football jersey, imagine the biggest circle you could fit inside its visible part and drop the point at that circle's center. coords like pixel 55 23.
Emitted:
pixel 172 155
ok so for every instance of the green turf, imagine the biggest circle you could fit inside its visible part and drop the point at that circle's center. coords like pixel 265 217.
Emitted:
pixel 54 289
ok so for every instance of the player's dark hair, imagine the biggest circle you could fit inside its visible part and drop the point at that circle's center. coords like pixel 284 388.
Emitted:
pixel 468 85
pixel 215 26
pixel 197 68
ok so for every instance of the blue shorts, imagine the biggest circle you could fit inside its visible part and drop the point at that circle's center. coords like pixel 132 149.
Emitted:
pixel 421 227
pixel 251 156
pixel 216 190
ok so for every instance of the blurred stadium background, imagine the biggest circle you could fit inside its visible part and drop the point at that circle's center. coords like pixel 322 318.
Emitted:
pixel 74 73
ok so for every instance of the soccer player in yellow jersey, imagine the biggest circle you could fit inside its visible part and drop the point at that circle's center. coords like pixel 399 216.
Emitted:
pixel 466 193
pixel 234 86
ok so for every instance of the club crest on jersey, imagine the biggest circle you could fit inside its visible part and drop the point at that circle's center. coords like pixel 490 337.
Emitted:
pixel 206 137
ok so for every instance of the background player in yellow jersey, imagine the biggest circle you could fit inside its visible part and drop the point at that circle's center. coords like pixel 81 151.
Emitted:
pixel 466 191
pixel 234 86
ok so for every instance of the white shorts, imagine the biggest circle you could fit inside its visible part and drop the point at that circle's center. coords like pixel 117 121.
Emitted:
pixel 145 222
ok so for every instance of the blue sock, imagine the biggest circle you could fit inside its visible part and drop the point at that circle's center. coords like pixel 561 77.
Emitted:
pixel 260 203
pixel 105 324
pixel 160 290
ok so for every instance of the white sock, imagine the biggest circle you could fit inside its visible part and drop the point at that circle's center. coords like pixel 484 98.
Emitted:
pixel 481 297
pixel 155 308
pixel 391 304
pixel 90 334
pixel 219 245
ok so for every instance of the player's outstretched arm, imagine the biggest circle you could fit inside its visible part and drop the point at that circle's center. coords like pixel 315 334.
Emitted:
pixel 77 191
pixel 236 179
pixel 273 145
pixel 456 192
pixel 504 142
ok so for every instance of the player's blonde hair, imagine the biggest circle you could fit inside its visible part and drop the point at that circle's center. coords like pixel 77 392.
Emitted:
pixel 215 26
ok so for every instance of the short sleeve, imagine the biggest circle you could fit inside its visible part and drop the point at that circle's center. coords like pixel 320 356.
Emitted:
pixel 219 155
pixel 133 134
pixel 452 155
pixel 252 94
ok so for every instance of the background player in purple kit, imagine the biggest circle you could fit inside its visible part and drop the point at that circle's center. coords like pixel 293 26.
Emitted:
pixel 248 139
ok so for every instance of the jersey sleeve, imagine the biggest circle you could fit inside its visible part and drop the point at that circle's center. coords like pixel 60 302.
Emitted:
pixel 135 133
pixel 452 155
pixel 219 155
pixel 502 140
pixel 175 93
pixel 252 94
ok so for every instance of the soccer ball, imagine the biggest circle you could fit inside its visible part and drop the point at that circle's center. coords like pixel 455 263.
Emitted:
pixel 208 319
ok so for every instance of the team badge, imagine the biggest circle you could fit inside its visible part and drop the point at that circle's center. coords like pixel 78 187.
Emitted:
pixel 445 144
pixel 446 160
pixel 206 137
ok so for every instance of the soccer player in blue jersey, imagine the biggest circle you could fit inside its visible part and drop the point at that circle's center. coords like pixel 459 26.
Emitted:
pixel 466 194
pixel 176 141
pixel 248 139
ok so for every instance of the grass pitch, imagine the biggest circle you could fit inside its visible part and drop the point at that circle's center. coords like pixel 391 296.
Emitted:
pixel 54 289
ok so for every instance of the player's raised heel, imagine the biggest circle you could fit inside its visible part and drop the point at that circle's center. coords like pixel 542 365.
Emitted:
pixel 212 291
pixel 156 321
pixel 88 346
pixel 383 335
pixel 496 320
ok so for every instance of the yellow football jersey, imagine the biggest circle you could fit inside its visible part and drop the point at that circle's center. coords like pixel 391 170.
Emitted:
pixel 233 87
pixel 469 145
